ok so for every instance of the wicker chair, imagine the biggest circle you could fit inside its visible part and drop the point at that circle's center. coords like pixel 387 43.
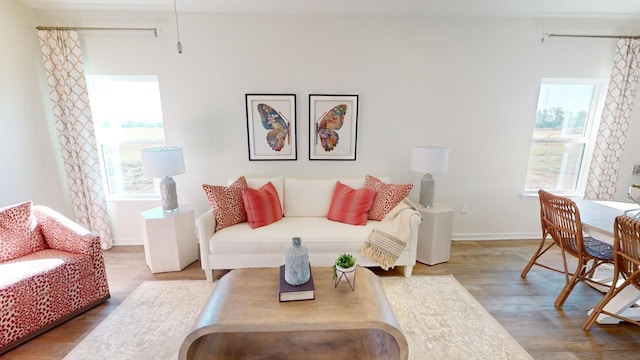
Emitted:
pixel 545 245
pixel 626 248
pixel 562 222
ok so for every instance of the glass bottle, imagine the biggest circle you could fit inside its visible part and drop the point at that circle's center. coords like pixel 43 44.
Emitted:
pixel 296 264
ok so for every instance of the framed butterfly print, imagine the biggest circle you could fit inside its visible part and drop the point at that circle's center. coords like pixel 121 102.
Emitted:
pixel 271 126
pixel 333 125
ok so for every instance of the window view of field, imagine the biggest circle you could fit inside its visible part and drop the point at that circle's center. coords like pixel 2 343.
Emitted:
pixel 128 118
pixel 123 163
pixel 554 166
pixel 559 137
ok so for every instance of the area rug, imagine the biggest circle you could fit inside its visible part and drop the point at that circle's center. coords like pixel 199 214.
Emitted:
pixel 439 318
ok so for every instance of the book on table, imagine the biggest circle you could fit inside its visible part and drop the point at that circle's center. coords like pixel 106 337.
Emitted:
pixel 288 292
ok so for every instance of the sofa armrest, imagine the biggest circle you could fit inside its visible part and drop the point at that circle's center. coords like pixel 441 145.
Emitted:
pixel 61 233
pixel 205 227
pixel 414 221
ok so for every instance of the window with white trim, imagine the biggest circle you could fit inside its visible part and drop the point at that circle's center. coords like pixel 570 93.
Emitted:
pixel 127 116
pixel 566 124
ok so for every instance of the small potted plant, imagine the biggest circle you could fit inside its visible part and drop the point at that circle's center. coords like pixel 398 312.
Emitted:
pixel 344 269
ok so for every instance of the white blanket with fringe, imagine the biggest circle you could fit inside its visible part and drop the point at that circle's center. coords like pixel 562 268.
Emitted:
pixel 389 239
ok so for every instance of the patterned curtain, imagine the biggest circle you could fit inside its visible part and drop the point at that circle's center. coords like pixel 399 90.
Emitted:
pixel 607 154
pixel 62 60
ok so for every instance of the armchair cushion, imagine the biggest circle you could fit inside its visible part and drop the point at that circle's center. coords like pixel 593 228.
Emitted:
pixel 19 232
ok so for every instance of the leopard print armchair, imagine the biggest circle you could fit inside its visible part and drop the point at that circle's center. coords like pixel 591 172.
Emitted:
pixel 51 269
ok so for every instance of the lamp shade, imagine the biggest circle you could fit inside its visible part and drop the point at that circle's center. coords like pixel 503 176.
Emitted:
pixel 429 159
pixel 162 161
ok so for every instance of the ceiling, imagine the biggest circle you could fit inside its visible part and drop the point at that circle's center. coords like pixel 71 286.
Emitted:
pixel 601 9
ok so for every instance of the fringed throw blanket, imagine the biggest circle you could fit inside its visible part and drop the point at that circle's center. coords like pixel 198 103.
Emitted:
pixel 387 241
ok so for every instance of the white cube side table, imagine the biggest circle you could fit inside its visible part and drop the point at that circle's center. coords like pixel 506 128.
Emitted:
pixel 434 234
pixel 169 238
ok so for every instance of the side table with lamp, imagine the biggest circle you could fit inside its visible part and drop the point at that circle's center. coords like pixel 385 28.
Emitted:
pixel 434 236
pixel 169 230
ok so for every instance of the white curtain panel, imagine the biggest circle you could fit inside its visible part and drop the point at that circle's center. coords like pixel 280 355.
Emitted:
pixel 607 154
pixel 62 58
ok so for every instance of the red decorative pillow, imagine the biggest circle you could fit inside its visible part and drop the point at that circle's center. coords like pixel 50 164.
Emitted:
pixel 19 232
pixel 349 205
pixel 262 205
pixel 226 202
pixel 387 196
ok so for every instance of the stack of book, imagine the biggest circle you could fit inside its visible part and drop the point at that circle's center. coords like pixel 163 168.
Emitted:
pixel 288 292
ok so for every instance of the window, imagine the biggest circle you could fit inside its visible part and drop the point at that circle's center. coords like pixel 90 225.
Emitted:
pixel 566 125
pixel 127 117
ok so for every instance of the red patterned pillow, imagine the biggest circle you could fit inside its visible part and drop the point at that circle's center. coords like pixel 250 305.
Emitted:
pixel 226 202
pixel 262 205
pixel 387 196
pixel 349 205
pixel 19 232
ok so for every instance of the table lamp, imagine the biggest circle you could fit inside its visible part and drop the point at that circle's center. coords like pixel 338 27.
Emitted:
pixel 163 162
pixel 429 160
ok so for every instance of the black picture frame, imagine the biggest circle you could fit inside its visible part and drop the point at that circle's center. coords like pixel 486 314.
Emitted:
pixel 333 127
pixel 271 126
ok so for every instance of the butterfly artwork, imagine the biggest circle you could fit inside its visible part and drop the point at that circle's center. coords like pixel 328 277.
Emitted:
pixel 327 126
pixel 277 125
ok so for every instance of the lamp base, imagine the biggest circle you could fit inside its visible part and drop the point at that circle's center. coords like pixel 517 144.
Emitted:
pixel 427 191
pixel 168 194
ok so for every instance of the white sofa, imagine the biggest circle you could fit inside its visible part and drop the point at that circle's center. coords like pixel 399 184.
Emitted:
pixel 305 204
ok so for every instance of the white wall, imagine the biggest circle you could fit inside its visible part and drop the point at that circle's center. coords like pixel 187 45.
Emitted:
pixel 469 84
pixel 29 166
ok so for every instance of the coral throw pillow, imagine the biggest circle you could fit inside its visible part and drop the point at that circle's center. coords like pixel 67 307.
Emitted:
pixel 19 232
pixel 262 205
pixel 349 205
pixel 226 203
pixel 387 196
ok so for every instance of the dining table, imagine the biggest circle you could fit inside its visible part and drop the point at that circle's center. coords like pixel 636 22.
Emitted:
pixel 597 219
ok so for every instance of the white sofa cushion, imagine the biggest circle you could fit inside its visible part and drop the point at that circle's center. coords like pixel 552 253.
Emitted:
pixel 358 183
pixel 308 197
pixel 318 234
pixel 312 197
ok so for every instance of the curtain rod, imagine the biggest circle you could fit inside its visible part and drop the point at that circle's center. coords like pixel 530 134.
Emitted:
pixel 591 36
pixel 154 30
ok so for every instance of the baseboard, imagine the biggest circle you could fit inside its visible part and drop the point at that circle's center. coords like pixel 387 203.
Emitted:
pixel 125 241
pixel 495 236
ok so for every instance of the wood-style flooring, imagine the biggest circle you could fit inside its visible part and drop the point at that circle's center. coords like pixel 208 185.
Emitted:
pixel 489 270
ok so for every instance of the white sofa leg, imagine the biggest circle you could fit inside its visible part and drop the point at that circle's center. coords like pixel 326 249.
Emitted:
pixel 408 270
pixel 209 274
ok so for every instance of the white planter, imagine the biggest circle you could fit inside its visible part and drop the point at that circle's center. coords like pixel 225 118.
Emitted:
pixel 346 275
pixel 634 194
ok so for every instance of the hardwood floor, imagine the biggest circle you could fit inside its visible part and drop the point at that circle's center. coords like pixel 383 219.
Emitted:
pixel 489 270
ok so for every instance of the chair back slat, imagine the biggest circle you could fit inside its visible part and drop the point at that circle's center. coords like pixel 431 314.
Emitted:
pixel 627 247
pixel 626 263
pixel 562 219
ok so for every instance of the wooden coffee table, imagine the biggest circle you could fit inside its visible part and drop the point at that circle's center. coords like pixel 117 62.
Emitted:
pixel 243 319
